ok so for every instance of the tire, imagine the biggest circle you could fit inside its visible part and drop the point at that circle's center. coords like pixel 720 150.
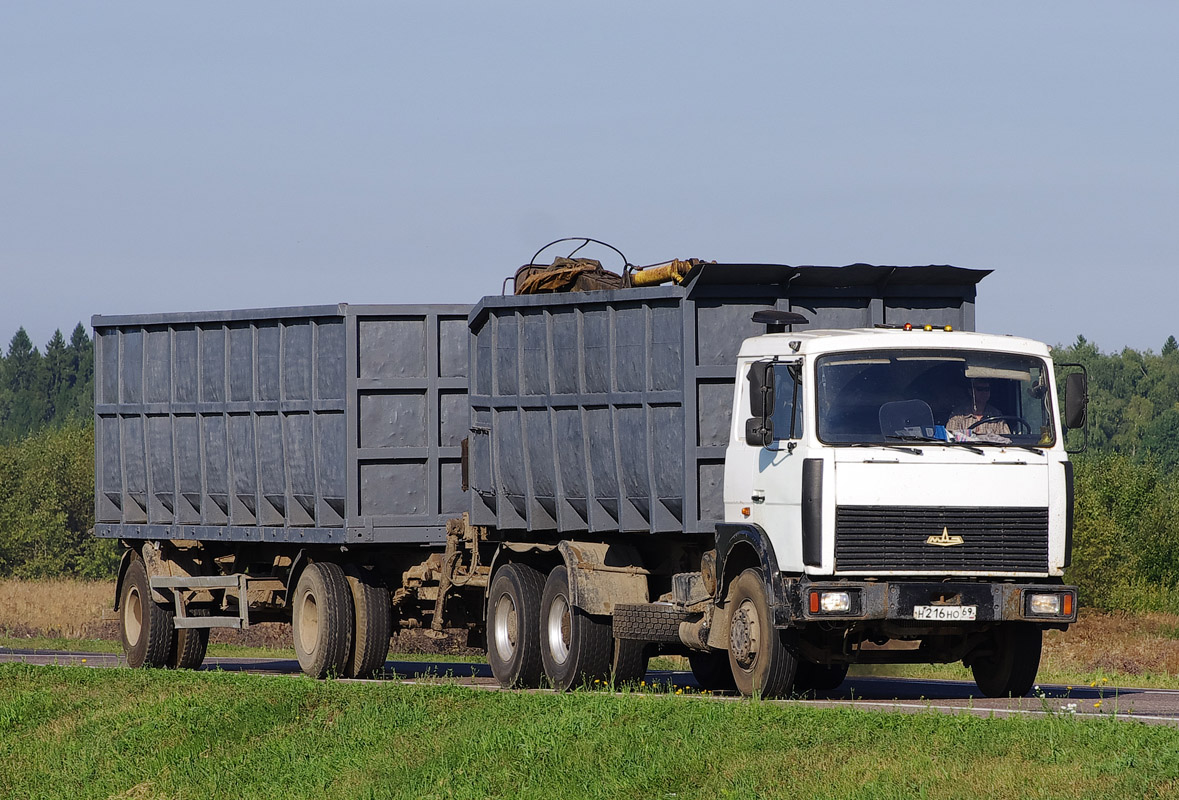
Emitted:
pixel 1009 668
pixel 819 677
pixel 513 627
pixel 371 623
pixel 576 648
pixel 321 620
pixel 189 645
pixel 760 660
pixel 712 670
pixel 145 625
pixel 631 658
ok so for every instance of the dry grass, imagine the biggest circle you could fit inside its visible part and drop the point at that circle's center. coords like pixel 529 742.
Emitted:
pixel 1113 644
pixel 1116 643
pixel 70 609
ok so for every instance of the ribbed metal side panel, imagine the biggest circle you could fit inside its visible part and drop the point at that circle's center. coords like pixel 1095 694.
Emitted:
pixel 895 538
pixel 611 411
pixel 297 422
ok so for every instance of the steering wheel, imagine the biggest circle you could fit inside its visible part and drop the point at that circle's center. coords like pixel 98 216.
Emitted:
pixel 1027 426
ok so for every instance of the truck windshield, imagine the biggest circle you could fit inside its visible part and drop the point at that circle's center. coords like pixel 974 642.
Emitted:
pixel 877 396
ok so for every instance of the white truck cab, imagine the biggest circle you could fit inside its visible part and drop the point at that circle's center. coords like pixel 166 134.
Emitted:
pixel 913 488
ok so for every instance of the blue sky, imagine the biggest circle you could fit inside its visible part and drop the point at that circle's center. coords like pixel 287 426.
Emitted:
pixel 167 156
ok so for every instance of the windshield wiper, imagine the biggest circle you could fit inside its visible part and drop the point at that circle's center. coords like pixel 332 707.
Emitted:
pixel 911 438
pixel 915 451
pixel 1029 448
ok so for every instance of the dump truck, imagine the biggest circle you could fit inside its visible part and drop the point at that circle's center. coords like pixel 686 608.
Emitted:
pixel 776 471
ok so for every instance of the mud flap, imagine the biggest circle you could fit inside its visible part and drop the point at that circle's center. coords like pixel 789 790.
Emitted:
pixel 603 575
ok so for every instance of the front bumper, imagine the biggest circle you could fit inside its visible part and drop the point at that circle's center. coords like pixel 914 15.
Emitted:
pixel 896 600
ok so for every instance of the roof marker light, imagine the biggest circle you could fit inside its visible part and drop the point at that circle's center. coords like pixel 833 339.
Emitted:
pixel 948 328
pixel 928 327
pixel 908 326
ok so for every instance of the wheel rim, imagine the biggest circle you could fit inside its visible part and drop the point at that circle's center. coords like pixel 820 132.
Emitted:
pixel 744 635
pixel 507 626
pixel 309 622
pixel 560 622
pixel 133 616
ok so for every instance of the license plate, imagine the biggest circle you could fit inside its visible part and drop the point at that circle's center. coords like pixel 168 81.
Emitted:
pixel 945 613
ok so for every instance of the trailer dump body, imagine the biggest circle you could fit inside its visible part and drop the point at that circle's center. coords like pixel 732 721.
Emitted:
pixel 610 411
pixel 326 424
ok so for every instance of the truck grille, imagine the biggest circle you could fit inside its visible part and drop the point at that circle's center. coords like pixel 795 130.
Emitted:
pixel 894 538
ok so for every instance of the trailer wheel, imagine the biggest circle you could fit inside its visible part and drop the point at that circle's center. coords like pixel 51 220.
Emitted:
pixel 711 670
pixel 760 660
pixel 371 623
pixel 321 620
pixel 819 677
pixel 577 648
pixel 189 645
pixel 513 627
pixel 146 629
pixel 1009 668
pixel 631 658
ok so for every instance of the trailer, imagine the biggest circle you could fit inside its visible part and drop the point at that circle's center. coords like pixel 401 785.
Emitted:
pixel 580 480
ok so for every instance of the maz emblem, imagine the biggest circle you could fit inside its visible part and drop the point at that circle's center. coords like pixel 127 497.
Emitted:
pixel 945 540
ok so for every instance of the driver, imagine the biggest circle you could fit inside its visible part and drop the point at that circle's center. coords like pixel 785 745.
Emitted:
pixel 964 417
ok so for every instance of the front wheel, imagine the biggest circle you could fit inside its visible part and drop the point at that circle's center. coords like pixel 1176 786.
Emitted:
pixel 1008 667
pixel 146 629
pixel 321 620
pixel 576 647
pixel 760 660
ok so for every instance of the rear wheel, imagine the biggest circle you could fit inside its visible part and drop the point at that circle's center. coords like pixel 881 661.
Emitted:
pixel 576 647
pixel 760 660
pixel 631 658
pixel 513 626
pixel 372 620
pixel 1009 665
pixel 819 677
pixel 146 630
pixel 711 670
pixel 189 644
pixel 321 620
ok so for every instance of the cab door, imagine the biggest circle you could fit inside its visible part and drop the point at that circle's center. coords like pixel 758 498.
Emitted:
pixel 763 481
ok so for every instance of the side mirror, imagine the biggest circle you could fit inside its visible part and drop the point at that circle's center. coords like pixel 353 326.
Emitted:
pixel 761 389
pixel 759 432
pixel 759 429
pixel 1076 400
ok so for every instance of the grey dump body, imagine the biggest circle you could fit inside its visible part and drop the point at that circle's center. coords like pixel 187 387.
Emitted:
pixel 609 411
pixel 591 412
pixel 325 424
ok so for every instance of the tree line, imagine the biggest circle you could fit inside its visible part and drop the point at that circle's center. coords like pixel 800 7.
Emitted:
pixel 1126 540
pixel 47 390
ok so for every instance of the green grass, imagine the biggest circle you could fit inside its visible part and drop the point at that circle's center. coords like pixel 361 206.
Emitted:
pixel 215 650
pixel 81 733
pixel 109 646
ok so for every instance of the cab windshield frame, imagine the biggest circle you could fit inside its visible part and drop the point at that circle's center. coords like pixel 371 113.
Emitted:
pixel 934 395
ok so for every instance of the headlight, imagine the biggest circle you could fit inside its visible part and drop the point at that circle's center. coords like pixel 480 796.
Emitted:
pixel 1044 604
pixel 834 602
pixel 1050 604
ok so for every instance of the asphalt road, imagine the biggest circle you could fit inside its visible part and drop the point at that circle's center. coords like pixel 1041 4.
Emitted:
pixel 903 695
